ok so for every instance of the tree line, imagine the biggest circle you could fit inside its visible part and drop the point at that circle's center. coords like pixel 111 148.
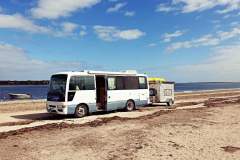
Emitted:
pixel 29 82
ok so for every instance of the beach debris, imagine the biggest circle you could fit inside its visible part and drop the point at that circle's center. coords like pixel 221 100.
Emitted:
pixel 216 102
pixel 231 149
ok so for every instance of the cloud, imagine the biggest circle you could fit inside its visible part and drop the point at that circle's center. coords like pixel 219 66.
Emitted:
pixel 51 9
pixel 67 29
pixel 231 6
pixel 206 40
pixel 235 32
pixel 201 5
pixel 129 13
pixel 110 33
pixel 15 64
pixel 116 7
pixel 188 6
pixel 235 23
pixel 164 8
pixel 82 33
pixel 222 65
pixel 152 44
pixel 167 37
pixel 17 21
pixel 71 29
pixel 130 34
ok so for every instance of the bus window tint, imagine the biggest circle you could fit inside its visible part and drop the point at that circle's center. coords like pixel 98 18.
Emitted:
pixel 142 83
pixel 111 83
pixel 131 82
pixel 82 83
pixel 120 83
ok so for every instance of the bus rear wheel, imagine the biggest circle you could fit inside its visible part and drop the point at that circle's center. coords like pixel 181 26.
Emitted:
pixel 130 105
pixel 81 111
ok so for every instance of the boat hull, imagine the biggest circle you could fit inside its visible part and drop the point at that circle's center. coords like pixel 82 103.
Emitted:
pixel 19 96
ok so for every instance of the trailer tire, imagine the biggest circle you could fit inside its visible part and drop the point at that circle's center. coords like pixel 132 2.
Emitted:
pixel 130 105
pixel 170 103
pixel 81 111
pixel 152 92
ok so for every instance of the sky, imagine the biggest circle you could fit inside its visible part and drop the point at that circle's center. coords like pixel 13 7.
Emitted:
pixel 180 40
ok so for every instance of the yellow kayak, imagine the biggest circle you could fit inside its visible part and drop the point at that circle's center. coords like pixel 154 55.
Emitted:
pixel 156 79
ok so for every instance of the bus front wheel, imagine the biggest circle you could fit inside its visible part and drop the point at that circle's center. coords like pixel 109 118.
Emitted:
pixel 81 111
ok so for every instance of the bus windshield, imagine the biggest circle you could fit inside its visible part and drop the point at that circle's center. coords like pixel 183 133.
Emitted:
pixel 57 88
pixel 58 83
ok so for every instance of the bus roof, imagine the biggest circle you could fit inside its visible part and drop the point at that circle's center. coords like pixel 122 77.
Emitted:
pixel 87 72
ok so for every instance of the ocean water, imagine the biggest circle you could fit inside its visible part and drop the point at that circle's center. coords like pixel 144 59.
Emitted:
pixel 185 87
pixel 40 91
pixel 37 91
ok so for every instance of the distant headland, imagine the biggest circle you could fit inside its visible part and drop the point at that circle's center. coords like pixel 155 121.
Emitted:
pixel 28 82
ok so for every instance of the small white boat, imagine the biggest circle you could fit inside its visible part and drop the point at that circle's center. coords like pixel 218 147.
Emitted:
pixel 19 96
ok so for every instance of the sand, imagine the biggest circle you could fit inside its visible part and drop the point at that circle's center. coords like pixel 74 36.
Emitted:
pixel 200 127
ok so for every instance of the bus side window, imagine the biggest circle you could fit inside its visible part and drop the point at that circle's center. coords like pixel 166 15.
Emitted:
pixel 112 83
pixel 142 83
pixel 81 83
pixel 72 84
pixel 131 82
pixel 89 83
pixel 120 83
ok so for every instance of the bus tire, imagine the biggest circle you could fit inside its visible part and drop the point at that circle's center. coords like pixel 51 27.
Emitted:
pixel 170 103
pixel 81 111
pixel 130 105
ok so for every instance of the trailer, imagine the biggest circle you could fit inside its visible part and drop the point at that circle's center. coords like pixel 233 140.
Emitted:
pixel 161 91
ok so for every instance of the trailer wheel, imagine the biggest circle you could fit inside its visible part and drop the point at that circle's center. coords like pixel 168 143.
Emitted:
pixel 81 111
pixel 130 105
pixel 152 92
pixel 170 103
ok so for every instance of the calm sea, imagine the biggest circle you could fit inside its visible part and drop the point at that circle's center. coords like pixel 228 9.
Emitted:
pixel 40 91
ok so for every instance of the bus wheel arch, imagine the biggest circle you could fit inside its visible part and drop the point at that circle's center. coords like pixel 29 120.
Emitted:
pixel 81 110
pixel 130 105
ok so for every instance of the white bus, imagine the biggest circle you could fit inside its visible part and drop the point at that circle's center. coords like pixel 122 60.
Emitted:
pixel 82 93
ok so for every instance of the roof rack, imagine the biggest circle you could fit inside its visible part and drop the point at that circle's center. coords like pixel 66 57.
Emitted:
pixel 127 72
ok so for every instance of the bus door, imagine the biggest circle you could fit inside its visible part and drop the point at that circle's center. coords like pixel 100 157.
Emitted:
pixel 114 99
pixel 143 90
pixel 101 93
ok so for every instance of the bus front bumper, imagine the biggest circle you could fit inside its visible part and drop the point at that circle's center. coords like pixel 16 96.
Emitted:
pixel 58 108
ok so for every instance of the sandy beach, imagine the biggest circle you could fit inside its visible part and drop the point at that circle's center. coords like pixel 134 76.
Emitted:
pixel 202 125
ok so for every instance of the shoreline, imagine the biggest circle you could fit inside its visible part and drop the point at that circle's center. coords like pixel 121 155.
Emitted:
pixel 208 90
pixel 22 101
pixel 13 85
pixel 2 102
